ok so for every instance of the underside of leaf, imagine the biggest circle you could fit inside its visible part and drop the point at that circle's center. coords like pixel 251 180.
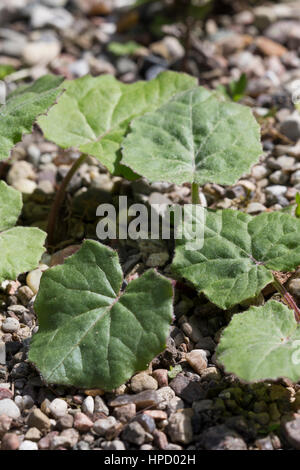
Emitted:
pixel 238 254
pixel 94 113
pixel 262 343
pixel 21 109
pixel 195 137
pixel 91 334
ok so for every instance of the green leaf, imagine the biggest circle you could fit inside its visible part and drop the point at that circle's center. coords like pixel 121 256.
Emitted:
pixel 10 206
pixel 21 109
pixel 262 343
pixel 238 254
pixel 21 249
pixel 5 70
pixel 195 137
pixel 94 113
pixel 120 48
pixel 237 88
pixel 91 334
pixel 297 211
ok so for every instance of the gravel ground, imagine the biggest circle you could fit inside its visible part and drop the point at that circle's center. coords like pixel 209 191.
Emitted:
pixel 184 400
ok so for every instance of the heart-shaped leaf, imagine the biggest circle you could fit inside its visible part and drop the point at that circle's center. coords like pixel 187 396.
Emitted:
pixel 21 109
pixel 10 206
pixel 262 343
pixel 238 254
pixel 21 247
pixel 91 334
pixel 94 112
pixel 195 137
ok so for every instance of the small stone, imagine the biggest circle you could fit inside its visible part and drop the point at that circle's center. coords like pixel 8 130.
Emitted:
pixel 157 259
pixel 160 439
pixel 39 420
pixel 2 353
pixel 28 445
pixel 58 407
pixel 187 389
pixel 45 442
pixel 113 445
pixel 5 422
pixel 290 127
pixel 101 426
pixel 222 438
pixel 10 325
pixel 164 394
pixel 146 399
pixel 291 431
pixel 259 172
pixel 20 170
pixel 269 47
pixel 25 185
pixel 40 52
pixel 294 287
pixel 255 208
pixel 211 373
pixel 82 423
pixel 161 376
pixel 141 382
pixel 33 434
pixel 134 433
pixel 197 360
pixel 65 422
pixel 10 441
pixel 88 405
pixel 25 294
pixel 68 439
pixel 9 408
pixel 180 426
pixel 279 177
pixel 146 421
pixel 100 406
pixel 125 413
pixel 33 280
pixel 264 16
pixel 295 178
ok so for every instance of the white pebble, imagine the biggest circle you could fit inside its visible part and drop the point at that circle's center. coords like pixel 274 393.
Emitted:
pixel 88 405
pixel 58 407
pixel 10 325
pixel 28 445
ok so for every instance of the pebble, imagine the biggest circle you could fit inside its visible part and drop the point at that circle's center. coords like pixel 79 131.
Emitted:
pixel 125 413
pixel 68 438
pixel 197 360
pixel 134 433
pixel 2 353
pixel 58 407
pixel 113 445
pixel 142 381
pixel 42 16
pixel 222 438
pixel 28 445
pixel 146 399
pixel 39 420
pixel 180 426
pixel 294 287
pixel 278 177
pixel 295 178
pixel 33 280
pixel 274 193
pixel 65 422
pixel 88 405
pixel 161 376
pixel 291 431
pixel 33 434
pixel 40 52
pixel 101 426
pixel 25 185
pixel 10 325
pixel 9 408
pixel 146 421
pixel 100 406
pixel 290 127
pixel 82 423
pixel 164 394
pixel 5 422
pixel 10 441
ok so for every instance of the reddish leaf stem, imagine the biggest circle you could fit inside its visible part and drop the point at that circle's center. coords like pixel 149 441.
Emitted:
pixel 60 195
pixel 287 297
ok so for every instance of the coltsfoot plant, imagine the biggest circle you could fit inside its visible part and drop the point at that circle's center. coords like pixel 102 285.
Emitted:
pixel 91 332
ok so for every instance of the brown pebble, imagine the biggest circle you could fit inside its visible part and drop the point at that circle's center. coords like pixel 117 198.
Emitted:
pixel 160 439
pixel 125 413
pixel 10 441
pixel 82 423
pixel 157 415
pixel 5 423
pixel 45 442
pixel 161 376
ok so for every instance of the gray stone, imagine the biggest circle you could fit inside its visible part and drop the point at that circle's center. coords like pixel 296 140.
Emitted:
pixel 291 432
pixel 142 381
pixel 42 16
pixel 295 178
pixel 180 426
pixel 222 438
pixel 290 127
pixel 9 408
pixel 39 420
pixel 255 207
pixel 101 426
pixel 58 407
pixel 88 405
pixel 2 353
pixel 278 177
pixel 113 445
pixel 100 406
pixel 134 433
